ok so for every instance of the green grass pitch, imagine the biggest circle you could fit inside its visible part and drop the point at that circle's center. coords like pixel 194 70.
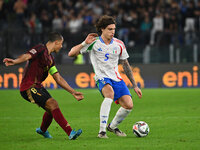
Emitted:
pixel 172 114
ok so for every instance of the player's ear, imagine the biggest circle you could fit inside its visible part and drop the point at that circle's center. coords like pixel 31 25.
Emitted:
pixel 56 42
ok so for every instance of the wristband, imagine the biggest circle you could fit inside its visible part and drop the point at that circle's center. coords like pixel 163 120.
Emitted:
pixel 83 43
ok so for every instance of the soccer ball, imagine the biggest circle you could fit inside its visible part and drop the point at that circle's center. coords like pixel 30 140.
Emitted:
pixel 141 129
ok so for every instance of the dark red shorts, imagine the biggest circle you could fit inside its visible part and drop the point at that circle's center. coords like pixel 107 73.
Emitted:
pixel 36 95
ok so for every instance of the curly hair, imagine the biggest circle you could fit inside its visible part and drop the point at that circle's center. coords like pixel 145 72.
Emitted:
pixel 103 22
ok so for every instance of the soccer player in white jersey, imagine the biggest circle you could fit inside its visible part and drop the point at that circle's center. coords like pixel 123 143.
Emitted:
pixel 105 52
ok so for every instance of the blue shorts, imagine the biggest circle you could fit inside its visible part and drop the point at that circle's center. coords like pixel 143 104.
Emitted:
pixel 120 88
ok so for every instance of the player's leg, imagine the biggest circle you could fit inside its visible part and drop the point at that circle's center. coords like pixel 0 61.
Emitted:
pixel 123 97
pixel 126 107
pixel 108 93
pixel 39 96
pixel 46 122
pixel 52 106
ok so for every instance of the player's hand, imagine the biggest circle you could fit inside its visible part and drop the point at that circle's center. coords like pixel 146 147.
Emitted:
pixel 78 95
pixel 138 92
pixel 91 38
pixel 9 62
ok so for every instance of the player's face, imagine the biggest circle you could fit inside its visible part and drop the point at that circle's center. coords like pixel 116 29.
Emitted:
pixel 58 45
pixel 109 31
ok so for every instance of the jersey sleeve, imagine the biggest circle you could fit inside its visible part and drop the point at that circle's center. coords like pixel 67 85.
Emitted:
pixel 36 51
pixel 52 69
pixel 123 54
pixel 87 48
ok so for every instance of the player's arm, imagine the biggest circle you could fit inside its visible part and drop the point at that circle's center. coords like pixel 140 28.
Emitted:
pixel 76 49
pixel 129 74
pixel 20 59
pixel 60 81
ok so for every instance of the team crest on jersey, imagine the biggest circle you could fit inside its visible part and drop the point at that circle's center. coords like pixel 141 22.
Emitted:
pixel 102 81
pixel 115 50
pixel 33 51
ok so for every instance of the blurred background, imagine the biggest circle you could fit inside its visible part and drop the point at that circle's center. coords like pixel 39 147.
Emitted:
pixel 154 31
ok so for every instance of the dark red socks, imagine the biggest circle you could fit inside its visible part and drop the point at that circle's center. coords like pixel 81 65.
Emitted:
pixel 46 121
pixel 59 118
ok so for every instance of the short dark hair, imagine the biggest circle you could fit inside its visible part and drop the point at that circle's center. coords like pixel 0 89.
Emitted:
pixel 54 36
pixel 103 22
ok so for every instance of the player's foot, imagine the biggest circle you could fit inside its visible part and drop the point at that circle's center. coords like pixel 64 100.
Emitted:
pixel 45 134
pixel 102 135
pixel 116 131
pixel 74 134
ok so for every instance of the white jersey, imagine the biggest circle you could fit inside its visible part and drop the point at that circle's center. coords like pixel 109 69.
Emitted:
pixel 105 58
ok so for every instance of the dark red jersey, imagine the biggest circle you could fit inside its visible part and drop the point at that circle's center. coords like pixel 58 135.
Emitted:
pixel 36 69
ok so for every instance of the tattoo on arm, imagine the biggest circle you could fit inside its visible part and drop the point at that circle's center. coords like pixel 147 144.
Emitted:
pixel 128 72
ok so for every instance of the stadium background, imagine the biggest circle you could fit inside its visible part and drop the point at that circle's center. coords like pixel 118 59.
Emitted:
pixel 160 36
pixel 162 39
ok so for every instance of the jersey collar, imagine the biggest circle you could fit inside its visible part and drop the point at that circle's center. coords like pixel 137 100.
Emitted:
pixel 103 41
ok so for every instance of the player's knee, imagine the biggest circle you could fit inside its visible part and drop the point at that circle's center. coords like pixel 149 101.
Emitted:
pixel 130 106
pixel 51 104
pixel 110 95
pixel 55 104
pixel 108 92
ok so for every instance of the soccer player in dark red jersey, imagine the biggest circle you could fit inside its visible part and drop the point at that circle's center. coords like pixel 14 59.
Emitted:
pixel 40 62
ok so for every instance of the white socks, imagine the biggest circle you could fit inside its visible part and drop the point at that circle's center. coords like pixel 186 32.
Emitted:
pixel 119 117
pixel 104 113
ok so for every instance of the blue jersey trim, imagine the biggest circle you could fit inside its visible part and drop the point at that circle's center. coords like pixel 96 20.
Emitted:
pixel 100 38
pixel 111 41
